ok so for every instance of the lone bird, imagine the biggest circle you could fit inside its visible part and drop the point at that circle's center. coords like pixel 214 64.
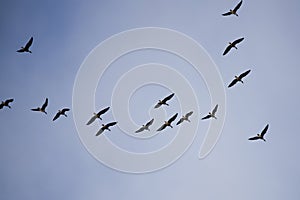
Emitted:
pixel 239 78
pixel 211 114
pixel 145 127
pixel 185 118
pixel 261 135
pixel 6 103
pixel 164 101
pixel 61 112
pixel 27 46
pixel 167 123
pixel 105 127
pixel 43 108
pixel 234 11
pixel 98 115
pixel 232 45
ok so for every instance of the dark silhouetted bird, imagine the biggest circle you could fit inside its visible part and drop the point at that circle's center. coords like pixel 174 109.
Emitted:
pixel 98 115
pixel 6 103
pixel 43 108
pixel 27 46
pixel 261 135
pixel 61 112
pixel 105 127
pixel 185 118
pixel 212 114
pixel 168 123
pixel 164 101
pixel 145 127
pixel 232 45
pixel 234 11
pixel 239 78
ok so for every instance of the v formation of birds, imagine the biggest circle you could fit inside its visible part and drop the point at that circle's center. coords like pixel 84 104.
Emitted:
pixel 163 102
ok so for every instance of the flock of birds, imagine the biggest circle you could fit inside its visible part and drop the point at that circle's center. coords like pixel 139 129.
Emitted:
pixel 160 103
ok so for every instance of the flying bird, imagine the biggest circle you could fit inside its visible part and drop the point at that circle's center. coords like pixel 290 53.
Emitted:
pixel 185 118
pixel 167 123
pixel 6 103
pixel 239 78
pixel 261 135
pixel 211 114
pixel 234 11
pixel 164 101
pixel 43 108
pixel 145 127
pixel 61 112
pixel 27 46
pixel 97 115
pixel 232 45
pixel 105 127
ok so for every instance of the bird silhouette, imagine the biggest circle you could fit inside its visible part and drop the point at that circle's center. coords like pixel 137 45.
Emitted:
pixel 27 46
pixel 61 112
pixel 164 101
pixel 6 103
pixel 211 114
pixel 232 45
pixel 261 135
pixel 185 118
pixel 145 127
pixel 239 78
pixel 234 11
pixel 167 123
pixel 43 108
pixel 97 115
pixel 105 127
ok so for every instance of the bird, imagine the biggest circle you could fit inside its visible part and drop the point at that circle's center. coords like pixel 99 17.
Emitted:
pixel 6 103
pixel 239 78
pixel 27 46
pixel 164 101
pixel 61 112
pixel 167 123
pixel 105 127
pixel 234 11
pixel 232 45
pixel 97 115
pixel 261 135
pixel 43 108
pixel 145 127
pixel 185 118
pixel 211 114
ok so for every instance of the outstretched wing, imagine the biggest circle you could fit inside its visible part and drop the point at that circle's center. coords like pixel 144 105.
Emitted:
pixel 189 114
pixel 180 121
pixel 91 120
pixel 254 138
pixel 172 118
pixel 56 116
pixel 35 109
pixel 1 105
pixel 29 43
pixel 9 100
pixel 215 110
pixel 45 104
pixel 265 130
pixel 168 98
pixel 149 123
pixel 232 83
pixel 100 131
pixel 226 14
pixel 65 110
pixel 157 105
pixel 140 130
pixel 206 117
pixel 227 50
pixel 101 112
pixel 244 74
pixel 162 127
pixel 238 6
pixel 237 41
pixel 111 124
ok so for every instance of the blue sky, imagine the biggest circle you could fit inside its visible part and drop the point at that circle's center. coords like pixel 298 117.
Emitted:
pixel 45 160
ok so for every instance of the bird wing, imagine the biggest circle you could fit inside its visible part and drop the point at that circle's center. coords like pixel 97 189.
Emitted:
pixel 111 124
pixel 215 110
pixel 101 112
pixel 172 118
pixel 227 50
pixel 206 117
pixel 1 105
pixel 168 98
pixel 237 6
pixel 180 121
pixel 21 50
pixel 9 100
pixel 265 130
pixel 56 116
pixel 162 127
pixel 226 14
pixel 189 114
pixel 29 43
pixel 244 74
pixel 45 104
pixel 232 83
pixel 35 109
pixel 157 105
pixel 140 130
pixel 65 110
pixel 91 120
pixel 149 123
pixel 237 41
pixel 254 138
pixel 100 131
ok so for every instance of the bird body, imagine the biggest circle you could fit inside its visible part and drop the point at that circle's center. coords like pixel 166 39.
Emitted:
pixel 27 46
pixel 43 108
pixel 6 103
pixel 232 45
pixel 185 118
pixel 211 114
pixel 239 78
pixel 61 112
pixel 233 11
pixel 167 123
pixel 97 115
pixel 261 135
pixel 145 127
pixel 164 101
pixel 105 127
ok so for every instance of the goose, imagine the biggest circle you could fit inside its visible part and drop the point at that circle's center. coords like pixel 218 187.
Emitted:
pixel 239 78
pixel 6 103
pixel 145 127
pixel 97 115
pixel 43 108
pixel 234 11
pixel 61 112
pixel 105 127
pixel 164 101
pixel 232 45
pixel 211 114
pixel 27 46
pixel 261 135
pixel 185 118
pixel 167 123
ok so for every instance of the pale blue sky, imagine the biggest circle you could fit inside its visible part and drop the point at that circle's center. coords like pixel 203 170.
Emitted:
pixel 45 160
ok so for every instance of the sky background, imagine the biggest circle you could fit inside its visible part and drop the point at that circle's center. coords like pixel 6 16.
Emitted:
pixel 41 159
